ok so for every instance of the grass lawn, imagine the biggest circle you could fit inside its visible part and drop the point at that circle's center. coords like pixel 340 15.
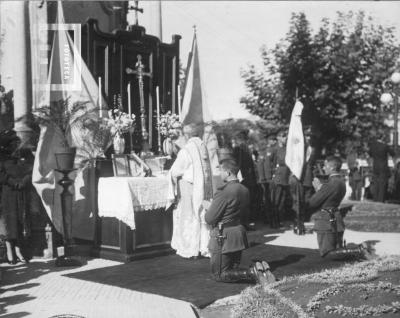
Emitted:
pixel 371 216
pixel 370 288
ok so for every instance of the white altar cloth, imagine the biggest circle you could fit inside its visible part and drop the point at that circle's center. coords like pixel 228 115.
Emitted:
pixel 121 197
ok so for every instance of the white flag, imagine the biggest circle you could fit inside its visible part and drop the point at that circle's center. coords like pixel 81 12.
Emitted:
pixel 295 142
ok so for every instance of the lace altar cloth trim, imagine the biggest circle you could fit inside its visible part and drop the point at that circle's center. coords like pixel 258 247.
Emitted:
pixel 121 197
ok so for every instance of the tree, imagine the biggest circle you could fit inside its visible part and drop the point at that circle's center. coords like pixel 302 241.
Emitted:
pixel 338 73
pixel 287 69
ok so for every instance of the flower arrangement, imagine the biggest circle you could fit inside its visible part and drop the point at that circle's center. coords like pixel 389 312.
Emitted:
pixel 169 125
pixel 119 122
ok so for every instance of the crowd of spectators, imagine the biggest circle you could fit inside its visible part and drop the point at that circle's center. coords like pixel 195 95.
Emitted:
pixel 368 173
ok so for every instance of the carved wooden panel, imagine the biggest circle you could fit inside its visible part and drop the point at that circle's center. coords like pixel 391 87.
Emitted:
pixel 134 57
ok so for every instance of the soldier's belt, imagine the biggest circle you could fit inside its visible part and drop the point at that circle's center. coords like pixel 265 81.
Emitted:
pixel 231 223
pixel 332 217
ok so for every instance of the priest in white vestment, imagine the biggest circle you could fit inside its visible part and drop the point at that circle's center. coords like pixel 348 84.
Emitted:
pixel 192 181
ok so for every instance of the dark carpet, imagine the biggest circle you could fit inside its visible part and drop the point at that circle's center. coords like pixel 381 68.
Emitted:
pixel 189 280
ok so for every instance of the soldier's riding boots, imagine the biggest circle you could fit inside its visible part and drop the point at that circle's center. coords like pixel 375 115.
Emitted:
pixel 259 273
pixel 362 251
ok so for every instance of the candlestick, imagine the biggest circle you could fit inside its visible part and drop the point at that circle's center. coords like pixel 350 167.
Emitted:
pixel 179 102
pixel 129 100
pixel 158 119
pixel 158 104
pixel 100 99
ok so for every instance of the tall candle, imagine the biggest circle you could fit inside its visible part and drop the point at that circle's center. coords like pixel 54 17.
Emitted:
pixel 100 99
pixel 129 99
pixel 158 105
pixel 179 101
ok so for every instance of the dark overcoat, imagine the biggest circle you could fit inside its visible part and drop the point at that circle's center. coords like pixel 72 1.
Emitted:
pixel 246 165
pixel 379 152
pixel 14 201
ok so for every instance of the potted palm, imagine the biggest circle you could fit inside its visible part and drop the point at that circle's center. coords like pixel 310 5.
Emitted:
pixel 62 117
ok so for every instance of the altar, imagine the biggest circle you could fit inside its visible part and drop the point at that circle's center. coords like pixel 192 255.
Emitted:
pixel 134 217
pixel 139 74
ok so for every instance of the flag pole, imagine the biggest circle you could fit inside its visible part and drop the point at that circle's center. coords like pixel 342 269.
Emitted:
pixel 300 225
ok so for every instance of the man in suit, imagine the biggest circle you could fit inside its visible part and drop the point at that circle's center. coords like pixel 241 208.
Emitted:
pixel 281 198
pixel 328 221
pixel 379 152
pixel 243 157
pixel 228 235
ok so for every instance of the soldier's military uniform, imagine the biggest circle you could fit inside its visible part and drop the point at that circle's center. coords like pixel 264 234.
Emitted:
pixel 281 198
pixel 326 202
pixel 328 221
pixel 230 202
pixel 265 169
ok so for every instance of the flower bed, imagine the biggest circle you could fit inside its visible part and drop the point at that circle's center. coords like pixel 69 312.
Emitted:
pixel 370 288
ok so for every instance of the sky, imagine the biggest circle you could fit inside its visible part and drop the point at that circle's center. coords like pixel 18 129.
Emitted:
pixel 231 33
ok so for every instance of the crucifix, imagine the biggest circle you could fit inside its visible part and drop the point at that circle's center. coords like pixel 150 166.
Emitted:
pixel 136 9
pixel 139 71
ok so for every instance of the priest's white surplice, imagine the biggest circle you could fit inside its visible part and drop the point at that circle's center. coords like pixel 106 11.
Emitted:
pixel 191 176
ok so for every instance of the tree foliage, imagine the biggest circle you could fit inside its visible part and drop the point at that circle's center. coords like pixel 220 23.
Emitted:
pixel 337 71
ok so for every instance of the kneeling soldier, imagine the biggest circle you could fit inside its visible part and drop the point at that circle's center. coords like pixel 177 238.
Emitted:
pixel 228 235
pixel 328 222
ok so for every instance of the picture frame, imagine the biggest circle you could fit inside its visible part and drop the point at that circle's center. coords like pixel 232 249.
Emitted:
pixel 136 166
pixel 156 164
pixel 120 165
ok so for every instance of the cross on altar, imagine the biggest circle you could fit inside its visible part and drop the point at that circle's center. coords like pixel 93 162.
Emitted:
pixel 136 9
pixel 139 71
